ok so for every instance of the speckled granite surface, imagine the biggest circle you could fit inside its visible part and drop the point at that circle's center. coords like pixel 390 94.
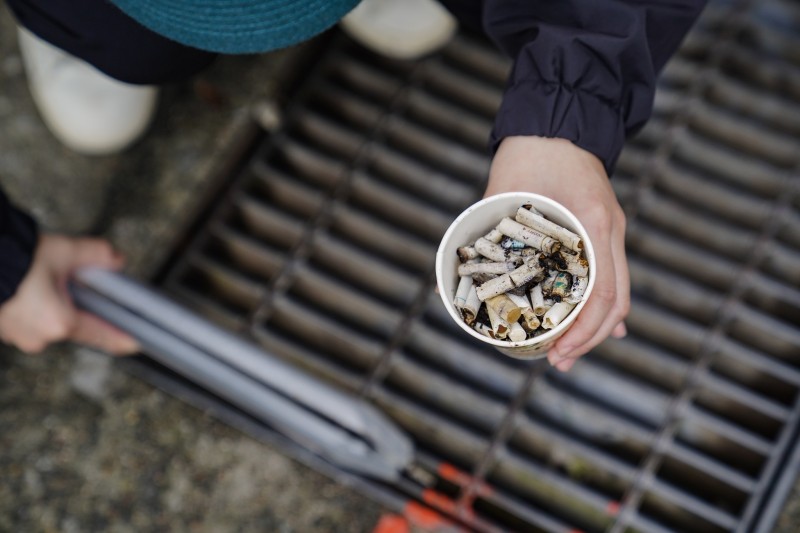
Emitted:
pixel 85 446
pixel 88 448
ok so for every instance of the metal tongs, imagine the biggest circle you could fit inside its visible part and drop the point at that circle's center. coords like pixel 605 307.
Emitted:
pixel 343 429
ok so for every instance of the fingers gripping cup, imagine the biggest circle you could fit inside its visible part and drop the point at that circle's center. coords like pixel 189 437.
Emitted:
pixel 514 271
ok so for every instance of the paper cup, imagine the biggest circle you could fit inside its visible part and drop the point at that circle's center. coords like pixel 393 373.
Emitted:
pixel 476 221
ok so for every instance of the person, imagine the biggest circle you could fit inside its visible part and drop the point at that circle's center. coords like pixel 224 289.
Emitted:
pixel 583 79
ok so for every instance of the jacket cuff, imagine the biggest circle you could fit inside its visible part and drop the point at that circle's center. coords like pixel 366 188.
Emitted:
pixel 18 239
pixel 552 109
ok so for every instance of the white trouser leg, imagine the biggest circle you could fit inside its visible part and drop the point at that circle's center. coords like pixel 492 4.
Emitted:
pixel 402 29
pixel 85 109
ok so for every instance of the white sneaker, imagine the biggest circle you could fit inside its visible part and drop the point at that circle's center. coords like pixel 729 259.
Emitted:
pixel 85 109
pixel 401 29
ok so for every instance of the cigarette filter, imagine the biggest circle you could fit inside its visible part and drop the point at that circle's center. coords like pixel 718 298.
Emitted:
pixel 504 307
pixel 537 301
pixel 517 333
pixel 556 314
pixel 494 235
pixel 471 306
pixel 465 253
pixel 499 326
pixel 464 285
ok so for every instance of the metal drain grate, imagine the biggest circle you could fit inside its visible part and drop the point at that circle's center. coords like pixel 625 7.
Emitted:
pixel 324 247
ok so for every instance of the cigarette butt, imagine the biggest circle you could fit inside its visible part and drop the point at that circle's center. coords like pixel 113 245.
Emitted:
pixel 499 326
pixel 530 320
pixel 494 235
pixel 575 264
pixel 502 284
pixel 577 291
pixel 483 329
pixel 547 284
pixel 556 314
pixel 572 255
pixel 492 251
pixel 577 269
pixel 465 253
pixel 493 287
pixel 537 301
pixel 524 274
pixel 471 306
pixel 464 285
pixel 539 223
pixel 517 333
pixel 520 301
pixel 532 209
pixel 468 269
pixel 504 307
pixel 542 310
pixel 482 277
pixel 529 236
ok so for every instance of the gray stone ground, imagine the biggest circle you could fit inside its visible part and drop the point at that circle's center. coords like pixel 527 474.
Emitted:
pixel 85 446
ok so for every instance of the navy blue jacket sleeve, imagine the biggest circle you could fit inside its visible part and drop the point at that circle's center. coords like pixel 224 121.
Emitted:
pixel 18 238
pixel 584 70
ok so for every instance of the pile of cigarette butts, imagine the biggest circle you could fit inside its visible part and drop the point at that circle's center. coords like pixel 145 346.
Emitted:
pixel 522 278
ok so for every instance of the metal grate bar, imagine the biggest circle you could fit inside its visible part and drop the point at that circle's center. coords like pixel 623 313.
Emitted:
pixel 559 494
pixel 713 468
pixel 738 398
pixel 463 360
pixel 485 99
pixel 556 446
pixel 483 62
pixel 692 504
pixel 662 369
pixel 420 178
pixel 500 437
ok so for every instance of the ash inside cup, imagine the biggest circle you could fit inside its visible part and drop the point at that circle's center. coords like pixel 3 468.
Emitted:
pixel 522 278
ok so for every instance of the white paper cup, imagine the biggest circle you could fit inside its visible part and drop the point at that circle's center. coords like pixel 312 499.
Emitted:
pixel 476 221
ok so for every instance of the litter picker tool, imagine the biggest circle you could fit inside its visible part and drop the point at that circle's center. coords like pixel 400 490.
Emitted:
pixel 341 428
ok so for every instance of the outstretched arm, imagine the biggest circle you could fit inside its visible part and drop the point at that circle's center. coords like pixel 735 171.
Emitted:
pixel 584 78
